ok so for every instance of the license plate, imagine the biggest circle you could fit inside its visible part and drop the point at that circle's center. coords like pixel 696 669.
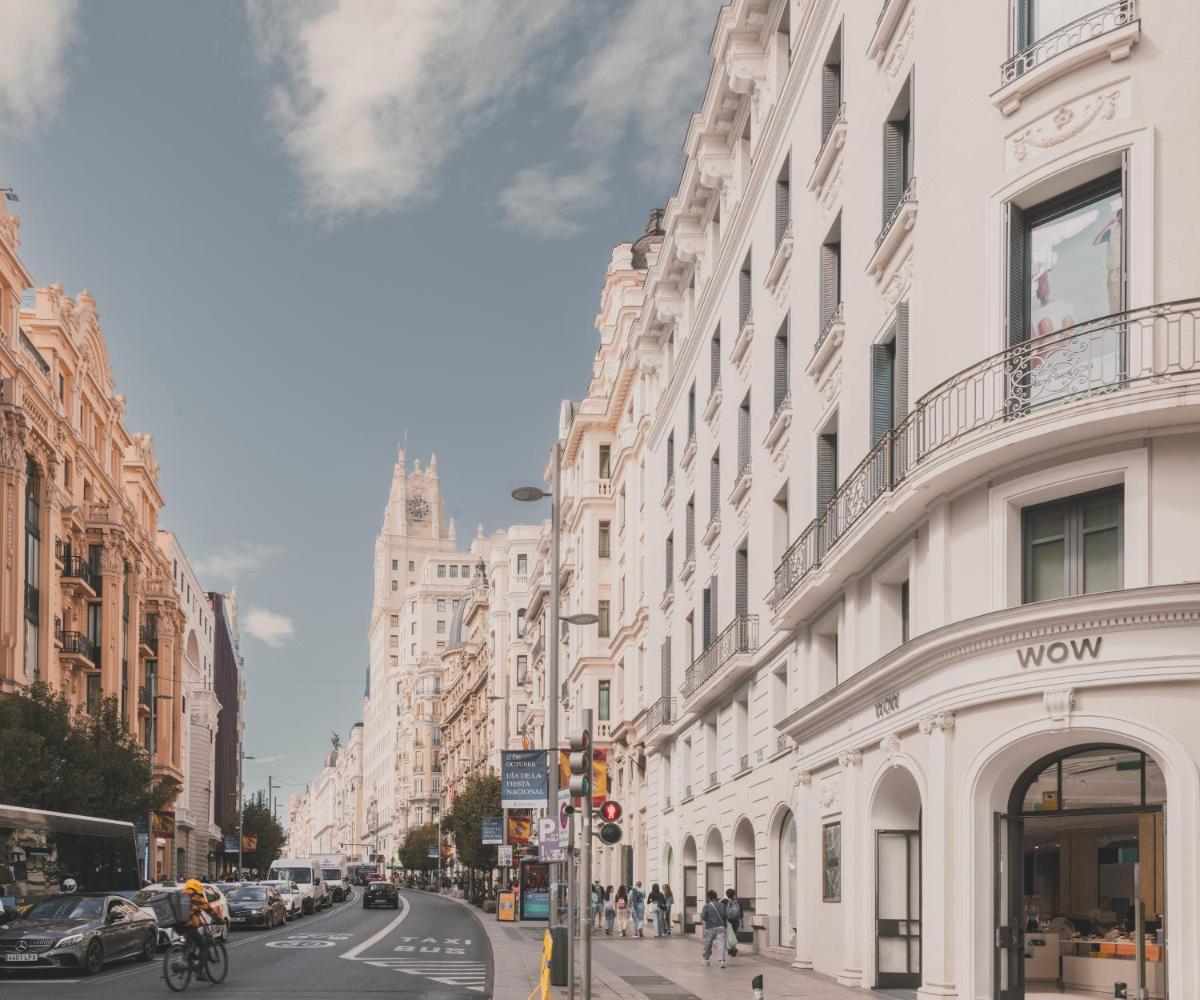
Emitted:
pixel 20 958
pixel 238 920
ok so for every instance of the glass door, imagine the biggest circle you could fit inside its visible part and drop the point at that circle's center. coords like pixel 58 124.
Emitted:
pixel 744 886
pixel 689 899
pixel 898 908
pixel 1008 974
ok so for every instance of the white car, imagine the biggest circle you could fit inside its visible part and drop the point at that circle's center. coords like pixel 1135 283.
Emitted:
pixel 216 899
pixel 293 902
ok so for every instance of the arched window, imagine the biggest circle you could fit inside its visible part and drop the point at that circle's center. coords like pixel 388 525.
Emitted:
pixel 33 557
pixel 1090 777
pixel 786 933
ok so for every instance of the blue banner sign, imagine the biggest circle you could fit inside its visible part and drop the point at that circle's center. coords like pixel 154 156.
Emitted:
pixel 493 830
pixel 523 779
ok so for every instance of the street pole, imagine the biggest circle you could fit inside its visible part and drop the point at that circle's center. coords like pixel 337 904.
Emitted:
pixel 271 796
pixel 585 937
pixel 150 747
pixel 240 808
pixel 552 693
pixel 572 909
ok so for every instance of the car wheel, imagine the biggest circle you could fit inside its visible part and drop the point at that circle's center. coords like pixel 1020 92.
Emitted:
pixel 225 929
pixel 149 947
pixel 366 905
pixel 308 906
pixel 93 959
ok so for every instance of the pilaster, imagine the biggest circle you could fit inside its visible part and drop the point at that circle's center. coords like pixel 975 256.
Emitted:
pixel 13 438
pixel 937 866
pixel 853 889
pixel 807 849
pixel 112 566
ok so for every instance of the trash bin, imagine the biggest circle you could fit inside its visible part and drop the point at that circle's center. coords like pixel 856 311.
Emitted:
pixel 558 957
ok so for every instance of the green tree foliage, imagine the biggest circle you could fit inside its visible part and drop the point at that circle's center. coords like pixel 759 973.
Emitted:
pixel 52 757
pixel 414 852
pixel 479 798
pixel 258 822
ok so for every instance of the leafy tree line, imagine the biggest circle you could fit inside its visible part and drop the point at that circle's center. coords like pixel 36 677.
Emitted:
pixel 260 823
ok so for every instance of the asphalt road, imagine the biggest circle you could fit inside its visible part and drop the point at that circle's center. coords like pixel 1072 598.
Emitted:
pixel 431 947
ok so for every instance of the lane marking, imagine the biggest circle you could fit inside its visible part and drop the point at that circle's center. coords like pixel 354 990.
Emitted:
pixel 300 943
pixel 40 982
pixel 358 949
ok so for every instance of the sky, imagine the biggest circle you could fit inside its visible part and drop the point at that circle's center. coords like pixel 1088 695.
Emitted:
pixel 313 227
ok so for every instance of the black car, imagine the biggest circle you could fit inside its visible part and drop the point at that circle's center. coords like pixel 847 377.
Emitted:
pixel 79 931
pixel 381 892
pixel 256 906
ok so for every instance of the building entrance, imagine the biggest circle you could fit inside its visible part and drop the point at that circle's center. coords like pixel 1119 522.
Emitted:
pixel 1080 878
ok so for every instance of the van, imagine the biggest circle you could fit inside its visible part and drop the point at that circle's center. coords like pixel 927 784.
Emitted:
pixel 306 873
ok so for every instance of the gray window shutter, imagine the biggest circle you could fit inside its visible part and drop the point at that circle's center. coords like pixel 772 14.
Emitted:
pixel 1021 39
pixel 826 470
pixel 781 363
pixel 691 412
pixel 744 433
pixel 744 294
pixel 742 582
pixel 714 484
pixel 831 265
pixel 1018 277
pixel 665 667
pixel 690 536
pixel 670 455
pixel 882 397
pixel 783 202
pixel 831 98
pixel 670 559
pixel 715 627
pixel 900 361
pixel 706 619
pixel 893 167
pixel 715 352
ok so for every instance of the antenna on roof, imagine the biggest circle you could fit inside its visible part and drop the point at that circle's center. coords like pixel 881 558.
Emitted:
pixel 10 194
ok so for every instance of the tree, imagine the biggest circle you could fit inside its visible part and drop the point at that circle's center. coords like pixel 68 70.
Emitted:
pixel 53 757
pixel 259 822
pixel 479 798
pixel 414 852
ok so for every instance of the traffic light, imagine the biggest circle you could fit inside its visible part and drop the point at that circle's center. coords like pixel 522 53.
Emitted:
pixel 611 811
pixel 580 763
pixel 610 832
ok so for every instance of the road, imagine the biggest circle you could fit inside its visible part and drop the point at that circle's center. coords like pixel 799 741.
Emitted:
pixel 431 947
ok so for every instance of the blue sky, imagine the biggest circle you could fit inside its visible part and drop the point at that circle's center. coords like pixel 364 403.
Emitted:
pixel 313 226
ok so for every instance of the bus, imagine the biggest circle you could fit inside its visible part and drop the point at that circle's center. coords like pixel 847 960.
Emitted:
pixel 40 850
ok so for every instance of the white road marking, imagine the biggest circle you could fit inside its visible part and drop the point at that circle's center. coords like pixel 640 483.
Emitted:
pixel 359 948
pixel 300 943
pixel 54 982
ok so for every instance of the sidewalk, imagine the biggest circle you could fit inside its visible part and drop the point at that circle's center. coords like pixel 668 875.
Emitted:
pixel 650 969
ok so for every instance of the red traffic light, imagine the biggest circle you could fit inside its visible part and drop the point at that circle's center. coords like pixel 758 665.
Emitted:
pixel 611 811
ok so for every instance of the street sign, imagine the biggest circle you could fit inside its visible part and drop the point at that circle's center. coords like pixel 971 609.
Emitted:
pixel 431 851
pixel 493 830
pixel 504 856
pixel 523 779
pixel 549 843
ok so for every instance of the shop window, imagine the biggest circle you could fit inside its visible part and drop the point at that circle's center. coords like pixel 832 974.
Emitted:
pixel 1073 546
pixel 831 863
pixel 604 701
pixel 1092 778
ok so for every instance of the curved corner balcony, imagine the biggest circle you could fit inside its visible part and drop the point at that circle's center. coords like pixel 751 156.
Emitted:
pixel 1132 370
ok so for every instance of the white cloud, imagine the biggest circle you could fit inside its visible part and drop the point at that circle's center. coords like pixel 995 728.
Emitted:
pixel 274 758
pixel 545 201
pixel 34 40
pixel 235 560
pixel 267 626
pixel 373 96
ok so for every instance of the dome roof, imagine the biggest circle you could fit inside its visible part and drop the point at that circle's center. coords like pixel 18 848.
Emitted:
pixel 652 237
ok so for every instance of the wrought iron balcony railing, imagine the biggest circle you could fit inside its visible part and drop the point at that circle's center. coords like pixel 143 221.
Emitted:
pixel 744 762
pixel 662 713
pixel 78 568
pixel 148 637
pixel 1099 22
pixel 1098 358
pixel 739 636
pixel 33 599
pixel 78 644
pixel 909 195
pixel 834 319
pixel 712 779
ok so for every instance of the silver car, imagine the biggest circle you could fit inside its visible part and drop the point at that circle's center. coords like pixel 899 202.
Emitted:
pixel 79 932
pixel 293 902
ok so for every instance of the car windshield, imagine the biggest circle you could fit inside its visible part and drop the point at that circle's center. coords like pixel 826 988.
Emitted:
pixel 66 908
pixel 278 886
pixel 144 897
pixel 301 875
pixel 252 893
pixel 332 873
pixel 379 885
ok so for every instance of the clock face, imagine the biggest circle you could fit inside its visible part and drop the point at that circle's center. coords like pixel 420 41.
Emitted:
pixel 417 508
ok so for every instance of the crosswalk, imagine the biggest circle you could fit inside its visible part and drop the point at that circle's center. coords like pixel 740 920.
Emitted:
pixel 451 972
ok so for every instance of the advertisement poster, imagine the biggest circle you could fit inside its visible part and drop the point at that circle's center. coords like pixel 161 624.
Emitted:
pixel 504 858
pixel 599 774
pixel 519 829
pixel 493 830
pixel 523 779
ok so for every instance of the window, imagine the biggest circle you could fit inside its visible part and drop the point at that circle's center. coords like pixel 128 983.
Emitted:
pixel 395 585
pixel 670 456
pixel 441 626
pixel 33 553
pixel 454 570
pixel 1073 546
pixel 605 461
pixel 782 381
pixel 905 613
pixel 394 661
pixel 603 612
pixel 523 563
pixel 393 642
pixel 441 604
pixel 827 464
pixel 395 564
pixel 466 572
pixel 412 566
pixel 714 351
pixel 454 604
pixel 714 486
pixel 743 436
pixel 1066 266
pixel 889 377
pixel 604 542
pixel 741 582
pixel 691 412
pixel 831 274
pixel 604 700
pixel 783 200
pixel 521 713
pixel 1035 19
pixel 689 549
pixel 521 623
pixel 745 284
pixel 670 560
pixel 522 669
pixel 831 863
pixel 441 570
pixel 897 152
pixel 831 87
pixel 394 621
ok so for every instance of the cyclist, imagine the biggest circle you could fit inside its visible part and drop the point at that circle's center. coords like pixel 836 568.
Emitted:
pixel 191 930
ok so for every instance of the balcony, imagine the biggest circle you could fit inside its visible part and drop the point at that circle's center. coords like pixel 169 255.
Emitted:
pixel 75 647
pixel 687 793
pixel 902 219
pixel 713 531
pixel 828 153
pixel 783 744
pixel 781 420
pixel 778 277
pixel 713 781
pixel 743 482
pixel 660 715
pixel 1127 371
pixel 1109 32
pixel 689 452
pixel 740 637
pixel 741 344
pixel 539 648
pixel 713 407
pixel 743 764
pixel 828 341
pixel 33 600
pixel 668 496
pixel 79 572
pixel 668 596
pixel 688 569
pixel 143 700
pixel 148 640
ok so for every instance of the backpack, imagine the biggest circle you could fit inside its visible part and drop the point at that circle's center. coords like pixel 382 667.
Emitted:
pixel 733 912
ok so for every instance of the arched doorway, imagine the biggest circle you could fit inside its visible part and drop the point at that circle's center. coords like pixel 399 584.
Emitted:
pixel 745 878
pixel 666 874
pixel 1080 876
pixel 896 821
pixel 689 886
pixel 714 862
pixel 785 867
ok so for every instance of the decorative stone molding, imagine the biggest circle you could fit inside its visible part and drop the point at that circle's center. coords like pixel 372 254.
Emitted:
pixel 1059 704
pixel 1066 122
pixel 890 745
pixel 803 779
pixel 897 285
pixel 897 56
pixel 745 64
pixel 831 383
pixel 851 758
pixel 831 191
pixel 112 560
pixel 14 438
pixel 714 163
pixel 829 794
pixel 943 721
pixel 778 278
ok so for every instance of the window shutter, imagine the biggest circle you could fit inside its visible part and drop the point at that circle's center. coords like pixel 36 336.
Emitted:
pixel 691 412
pixel 716 358
pixel 665 667
pixel 882 399
pixel 781 364
pixel 743 434
pixel 714 627
pixel 1021 39
pixel 742 583
pixel 670 559
pixel 714 485
pixel 670 456
pixel 830 279
pixel 690 537
pixel 893 167
pixel 744 295
pixel 826 470
pixel 1018 277
pixel 831 98
pixel 783 203
pixel 900 361
pixel 706 619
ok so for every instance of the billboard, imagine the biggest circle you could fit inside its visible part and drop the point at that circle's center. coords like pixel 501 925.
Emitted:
pixel 523 779
pixel 493 830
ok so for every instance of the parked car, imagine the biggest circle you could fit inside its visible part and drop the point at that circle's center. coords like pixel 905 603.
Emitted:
pixel 289 892
pixel 80 931
pixel 214 895
pixel 335 883
pixel 256 906
pixel 381 892
pixel 306 873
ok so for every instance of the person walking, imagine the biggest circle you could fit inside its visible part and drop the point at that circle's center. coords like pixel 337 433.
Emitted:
pixel 714 921
pixel 610 911
pixel 733 916
pixel 597 905
pixel 667 903
pixel 621 904
pixel 656 902
pixel 637 908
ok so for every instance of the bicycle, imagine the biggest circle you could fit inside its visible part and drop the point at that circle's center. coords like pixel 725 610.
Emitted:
pixel 181 961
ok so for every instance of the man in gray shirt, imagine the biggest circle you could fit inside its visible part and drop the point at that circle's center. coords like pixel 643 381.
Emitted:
pixel 713 918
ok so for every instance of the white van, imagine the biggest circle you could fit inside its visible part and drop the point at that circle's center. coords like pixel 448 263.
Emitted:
pixel 306 873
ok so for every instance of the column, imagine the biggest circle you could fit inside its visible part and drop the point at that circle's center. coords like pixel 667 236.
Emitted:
pixel 937 865
pixel 807 851
pixel 137 678
pixel 50 526
pixel 13 437
pixel 166 730
pixel 854 893
pixel 112 570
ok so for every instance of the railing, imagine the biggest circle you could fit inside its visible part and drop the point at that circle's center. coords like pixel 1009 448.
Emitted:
pixel 1085 361
pixel 33 352
pixel 744 762
pixel 714 521
pixel 687 792
pixel 539 648
pixel 662 713
pixel 782 407
pixel 78 568
pixel 743 470
pixel 148 637
pixel 33 599
pixel 1082 29
pixel 604 487
pixel 839 119
pixel 78 644
pixel 910 193
pixel 739 636
pixel 783 742
pixel 144 696
pixel 835 318
pixel 668 593
pixel 712 779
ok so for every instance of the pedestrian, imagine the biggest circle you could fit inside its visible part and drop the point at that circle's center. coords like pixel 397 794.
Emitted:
pixel 656 902
pixel 637 908
pixel 597 904
pixel 610 910
pixel 621 905
pixel 668 901
pixel 733 915
pixel 713 919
